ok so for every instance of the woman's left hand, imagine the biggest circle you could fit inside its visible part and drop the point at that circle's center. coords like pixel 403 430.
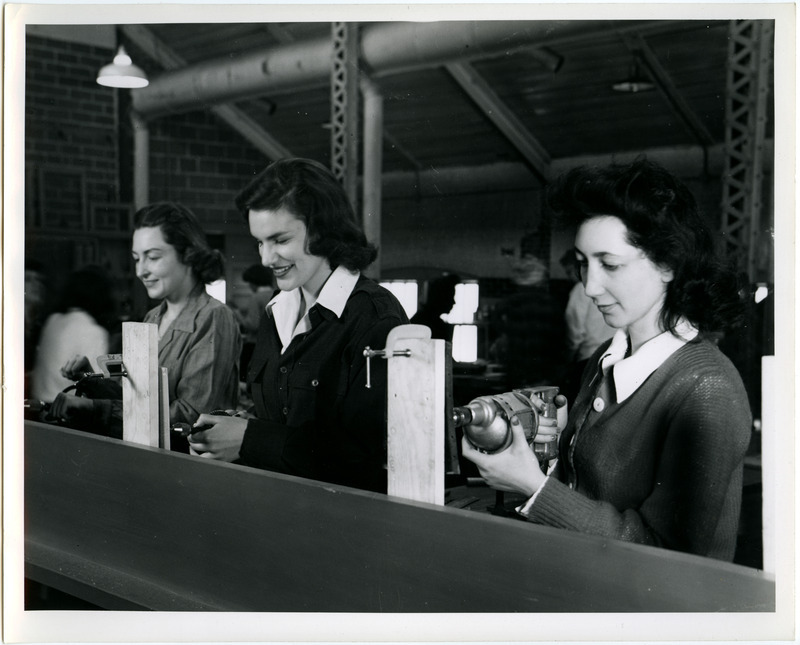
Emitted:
pixel 515 469
pixel 221 440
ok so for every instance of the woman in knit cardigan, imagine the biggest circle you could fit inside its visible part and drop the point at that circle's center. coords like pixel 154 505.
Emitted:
pixel 653 448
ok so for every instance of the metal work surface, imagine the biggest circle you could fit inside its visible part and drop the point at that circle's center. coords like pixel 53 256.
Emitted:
pixel 127 526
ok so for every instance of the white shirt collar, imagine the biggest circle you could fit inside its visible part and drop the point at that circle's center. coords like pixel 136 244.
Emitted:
pixel 285 306
pixel 337 289
pixel 629 373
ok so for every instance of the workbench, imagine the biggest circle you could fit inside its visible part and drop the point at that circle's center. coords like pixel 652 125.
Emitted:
pixel 127 526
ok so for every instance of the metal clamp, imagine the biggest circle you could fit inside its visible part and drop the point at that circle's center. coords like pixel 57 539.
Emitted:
pixel 369 353
pixel 111 365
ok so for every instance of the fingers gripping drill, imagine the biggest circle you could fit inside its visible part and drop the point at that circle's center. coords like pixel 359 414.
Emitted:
pixel 486 420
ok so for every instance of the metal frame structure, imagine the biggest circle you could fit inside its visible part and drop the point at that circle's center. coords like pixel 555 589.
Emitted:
pixel 749 69
pixel 344 106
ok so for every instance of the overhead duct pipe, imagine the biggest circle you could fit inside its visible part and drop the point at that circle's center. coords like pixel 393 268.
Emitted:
pixel 385 48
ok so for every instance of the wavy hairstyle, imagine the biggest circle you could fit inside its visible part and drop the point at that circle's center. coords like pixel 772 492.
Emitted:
pixel 313 195
pixel 662 220
pixel 182 230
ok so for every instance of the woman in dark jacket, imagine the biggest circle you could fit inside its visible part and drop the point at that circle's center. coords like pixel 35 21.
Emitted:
pixel 314 415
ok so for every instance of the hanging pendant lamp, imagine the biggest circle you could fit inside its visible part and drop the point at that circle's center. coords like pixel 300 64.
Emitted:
pixel 635 81
pixel 122 72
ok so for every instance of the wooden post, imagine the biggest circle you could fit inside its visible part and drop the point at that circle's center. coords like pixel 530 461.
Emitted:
pixel 416 414
pixel 140 392
pixel 163 409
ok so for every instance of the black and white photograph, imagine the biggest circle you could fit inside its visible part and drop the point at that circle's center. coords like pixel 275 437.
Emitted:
pixel 399 323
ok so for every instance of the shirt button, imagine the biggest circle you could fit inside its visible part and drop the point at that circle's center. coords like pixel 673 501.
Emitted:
pixel 283 370
pixel 315 382
pixel 286 410
pixel 598 404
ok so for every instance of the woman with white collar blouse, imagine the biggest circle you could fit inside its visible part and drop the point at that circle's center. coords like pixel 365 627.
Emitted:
pixel 653 448
pixel 314 415
pixel 198 338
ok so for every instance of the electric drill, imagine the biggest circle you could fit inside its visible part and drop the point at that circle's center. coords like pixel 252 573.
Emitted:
pixel 486 420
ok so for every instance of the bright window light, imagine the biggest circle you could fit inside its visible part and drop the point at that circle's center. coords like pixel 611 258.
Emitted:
pixel 466 304
pixel 217 289
pixel 406 291
pixel 762 291
pixel 465 335
pixel 465 343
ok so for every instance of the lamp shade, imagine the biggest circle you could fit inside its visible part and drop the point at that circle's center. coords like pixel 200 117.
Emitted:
pixel 122 72
pixel 635 82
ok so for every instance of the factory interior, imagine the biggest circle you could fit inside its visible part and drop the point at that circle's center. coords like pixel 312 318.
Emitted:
pixel 445 135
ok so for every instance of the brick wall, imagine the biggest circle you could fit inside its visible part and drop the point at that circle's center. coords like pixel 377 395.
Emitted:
pixel 70 127
pixel 77 158
pixel 199 161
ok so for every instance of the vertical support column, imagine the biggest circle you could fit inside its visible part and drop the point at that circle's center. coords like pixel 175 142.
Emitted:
pixel 416 414
pixel 770 428
pixel 140 389
pixel 141 161
pixel 373 167
pixel 344 107
pixel 749 68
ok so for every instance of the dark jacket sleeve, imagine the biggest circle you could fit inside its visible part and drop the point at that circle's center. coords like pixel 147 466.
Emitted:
pixel 347 444
pixel 104 418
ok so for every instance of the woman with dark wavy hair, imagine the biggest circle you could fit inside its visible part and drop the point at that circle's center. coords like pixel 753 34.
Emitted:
pixel 653 448
pixel 314 415
pixel 198 337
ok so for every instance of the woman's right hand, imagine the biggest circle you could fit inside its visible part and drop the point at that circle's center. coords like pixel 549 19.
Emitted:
pixel 76 367
pixel 68 408
pixel 220 439
pixel 514 469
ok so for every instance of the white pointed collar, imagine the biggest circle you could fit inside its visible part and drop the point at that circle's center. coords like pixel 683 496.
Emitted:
pixel 285 306
pixel 629 373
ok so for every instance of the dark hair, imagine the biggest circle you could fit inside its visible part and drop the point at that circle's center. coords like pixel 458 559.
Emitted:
pixel 258 275
pixel 662 220
pixel 90 289
pixel 181 229
pixel 312 194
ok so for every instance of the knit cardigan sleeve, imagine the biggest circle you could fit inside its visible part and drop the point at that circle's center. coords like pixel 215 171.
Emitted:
pixel 694 501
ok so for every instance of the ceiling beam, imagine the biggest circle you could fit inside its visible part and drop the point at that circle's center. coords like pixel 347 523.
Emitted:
pixel 252 131
pixel 386 48
pixel 498 113
pixel 278 33
pixel 637 45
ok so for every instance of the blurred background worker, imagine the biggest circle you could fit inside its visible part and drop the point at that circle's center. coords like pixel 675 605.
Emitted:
pixel 79 326
pixel 532 345
pixel 35 314
pixel 440 300
pixel 262 286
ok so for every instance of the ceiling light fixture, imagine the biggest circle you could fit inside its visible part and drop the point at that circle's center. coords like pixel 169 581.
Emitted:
pixel 122 72
pixel 635 82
